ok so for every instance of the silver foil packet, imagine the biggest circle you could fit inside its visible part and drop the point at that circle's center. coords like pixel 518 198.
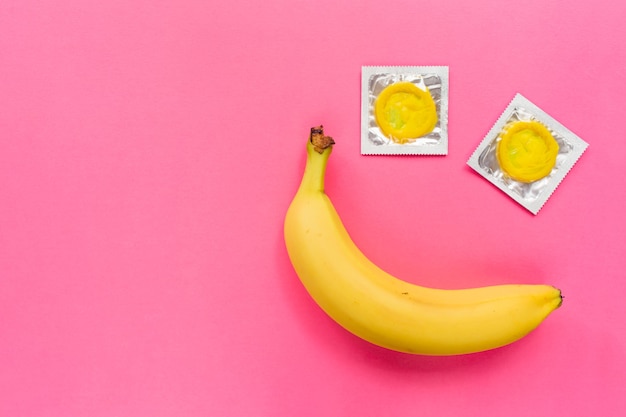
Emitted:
pixel 404 110
pixel 532 181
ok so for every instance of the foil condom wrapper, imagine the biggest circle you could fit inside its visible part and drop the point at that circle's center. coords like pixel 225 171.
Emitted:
pixel 534 194
pixel 433 80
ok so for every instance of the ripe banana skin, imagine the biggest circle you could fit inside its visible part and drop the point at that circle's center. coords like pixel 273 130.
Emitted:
pixel 385 310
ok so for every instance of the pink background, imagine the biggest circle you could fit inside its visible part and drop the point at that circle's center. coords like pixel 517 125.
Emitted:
pixel 149 150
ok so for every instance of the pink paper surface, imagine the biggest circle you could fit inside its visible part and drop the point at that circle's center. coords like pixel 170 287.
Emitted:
pixel 149 150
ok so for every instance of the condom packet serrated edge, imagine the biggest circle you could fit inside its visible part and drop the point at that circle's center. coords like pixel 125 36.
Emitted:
pixel 434 79
pixel 534 195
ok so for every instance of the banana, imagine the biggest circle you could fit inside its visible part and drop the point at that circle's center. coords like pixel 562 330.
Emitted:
pixel 385 310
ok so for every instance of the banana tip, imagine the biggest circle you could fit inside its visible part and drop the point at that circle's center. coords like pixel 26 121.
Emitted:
pixel 561 297
pixel 319 140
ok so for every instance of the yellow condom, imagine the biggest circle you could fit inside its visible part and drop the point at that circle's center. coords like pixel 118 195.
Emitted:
pixel 527 151
pixel 404 111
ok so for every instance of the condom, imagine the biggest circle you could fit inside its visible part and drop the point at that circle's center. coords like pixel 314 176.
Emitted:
pixel 404 110
pixel 527 154
pixel 526 151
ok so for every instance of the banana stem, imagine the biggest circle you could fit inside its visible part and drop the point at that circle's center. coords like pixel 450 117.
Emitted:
pixel 318 150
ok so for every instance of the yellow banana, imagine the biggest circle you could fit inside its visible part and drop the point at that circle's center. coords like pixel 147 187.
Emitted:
pixel 385 310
